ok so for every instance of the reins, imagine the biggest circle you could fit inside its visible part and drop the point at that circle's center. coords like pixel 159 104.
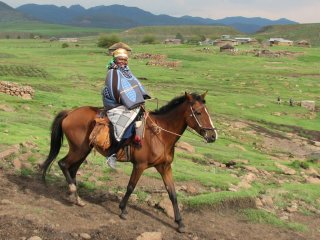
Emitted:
pixel 159 129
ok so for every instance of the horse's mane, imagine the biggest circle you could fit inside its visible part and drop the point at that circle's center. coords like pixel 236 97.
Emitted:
pixel 174 103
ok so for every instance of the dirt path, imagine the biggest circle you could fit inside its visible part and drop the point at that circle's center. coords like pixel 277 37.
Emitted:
pixel 29 208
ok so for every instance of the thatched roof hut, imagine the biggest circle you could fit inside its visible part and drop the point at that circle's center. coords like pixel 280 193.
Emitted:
pixel 303 43
pixel 227 48
pixel 119 45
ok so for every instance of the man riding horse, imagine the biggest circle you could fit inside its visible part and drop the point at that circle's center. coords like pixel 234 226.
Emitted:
pixel 123 96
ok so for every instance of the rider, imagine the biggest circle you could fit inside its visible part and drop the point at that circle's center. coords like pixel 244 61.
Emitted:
pixel 122 96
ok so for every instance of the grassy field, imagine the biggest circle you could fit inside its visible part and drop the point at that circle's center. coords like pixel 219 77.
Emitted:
pixel 27 29
pixel 242 88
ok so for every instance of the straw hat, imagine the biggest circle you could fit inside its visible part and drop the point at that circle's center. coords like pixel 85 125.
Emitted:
pixel 120 52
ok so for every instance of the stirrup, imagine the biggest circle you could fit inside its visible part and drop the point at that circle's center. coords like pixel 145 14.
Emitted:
pixel 112 160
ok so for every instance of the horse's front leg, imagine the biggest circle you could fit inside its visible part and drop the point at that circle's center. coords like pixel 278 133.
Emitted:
pixel 166 173
pixel 135 176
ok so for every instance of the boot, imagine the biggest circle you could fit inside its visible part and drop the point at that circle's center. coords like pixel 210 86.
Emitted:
pixel 112 160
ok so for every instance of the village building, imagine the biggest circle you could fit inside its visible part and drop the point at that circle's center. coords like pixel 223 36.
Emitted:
pixel 227 48
pixel 303 43
pixel 280 42
pixel 223 42
pixel 206 42
pixel 69 40
pixel 246 40
pixel 172 41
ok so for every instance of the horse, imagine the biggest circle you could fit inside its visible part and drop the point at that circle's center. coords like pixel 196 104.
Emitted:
pixel 163 128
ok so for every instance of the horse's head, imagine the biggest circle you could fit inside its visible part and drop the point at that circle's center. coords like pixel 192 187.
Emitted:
pixel 198 118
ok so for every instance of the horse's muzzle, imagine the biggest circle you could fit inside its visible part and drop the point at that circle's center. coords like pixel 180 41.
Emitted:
pixel 210 135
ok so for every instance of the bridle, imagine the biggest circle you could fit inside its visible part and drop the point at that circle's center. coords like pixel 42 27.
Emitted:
pixel 194 113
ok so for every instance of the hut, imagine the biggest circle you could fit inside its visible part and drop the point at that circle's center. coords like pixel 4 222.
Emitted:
pixel 223 42
pixel 227 48
pixel 303 43
pixel 280 42
pixel 172 41
pixel 119 45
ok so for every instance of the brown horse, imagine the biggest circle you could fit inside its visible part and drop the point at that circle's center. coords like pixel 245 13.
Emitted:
pixel 163 129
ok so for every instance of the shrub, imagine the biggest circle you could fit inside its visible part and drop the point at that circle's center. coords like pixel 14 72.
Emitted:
pixel 179 36
pixel 65 45
pixel 105 41
pixel 148 39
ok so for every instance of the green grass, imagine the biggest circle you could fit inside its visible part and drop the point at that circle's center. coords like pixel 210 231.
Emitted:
pixel 261 216
pixel 28 29
pixel 241 88
pixel 217 198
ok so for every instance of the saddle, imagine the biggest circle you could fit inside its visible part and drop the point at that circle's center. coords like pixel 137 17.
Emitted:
pixel 100 135
pixel 100 138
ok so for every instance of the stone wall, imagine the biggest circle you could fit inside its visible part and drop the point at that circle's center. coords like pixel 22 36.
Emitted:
pixel 14 89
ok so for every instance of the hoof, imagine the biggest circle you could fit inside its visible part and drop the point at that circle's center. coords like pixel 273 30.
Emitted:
pixel 79 202
pixel 181 229
pixel 123 216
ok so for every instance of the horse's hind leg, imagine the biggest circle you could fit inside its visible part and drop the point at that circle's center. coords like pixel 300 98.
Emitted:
pixel 69 167
pixel 135 176
pixel 166 173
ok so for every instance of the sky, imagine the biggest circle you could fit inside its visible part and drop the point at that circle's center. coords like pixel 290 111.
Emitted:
pixel 302 11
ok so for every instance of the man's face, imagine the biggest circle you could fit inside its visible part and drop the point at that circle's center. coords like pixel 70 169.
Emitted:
pixel 121 61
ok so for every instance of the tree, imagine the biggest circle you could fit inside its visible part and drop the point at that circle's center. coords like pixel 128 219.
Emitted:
pixel 65 45
pixel 179 36
pixel 148 39
pixel 105 41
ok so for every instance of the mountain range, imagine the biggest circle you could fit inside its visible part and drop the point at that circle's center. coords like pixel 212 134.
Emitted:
pixel 123 17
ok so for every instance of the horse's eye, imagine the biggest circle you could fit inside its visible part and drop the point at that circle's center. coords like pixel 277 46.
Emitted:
pixel 198 113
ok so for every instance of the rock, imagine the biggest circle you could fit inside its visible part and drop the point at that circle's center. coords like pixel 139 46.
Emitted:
pixel 5 202
pixel 26 107
pixel 244 185
pixel 85 235
pixel 249 177
pixel 313 180
pixel 6 108
pixel 310 105
pixel 75 235
pixel 185 147
pixel 315 143
pixel 192 190
pixel 292 209
pixel 35 238
pixel 267 201
pixel 26 96
pixel 311 171
pixel 251 169
pixel 258 202
pixel 134 198
pixel 17 164
pixel 166 205
pixel 150 236
pixel 286 170
pixel 12 150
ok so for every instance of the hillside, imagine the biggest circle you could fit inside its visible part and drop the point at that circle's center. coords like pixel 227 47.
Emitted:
pixel 128 17
pixel 9 14
pixel 295 32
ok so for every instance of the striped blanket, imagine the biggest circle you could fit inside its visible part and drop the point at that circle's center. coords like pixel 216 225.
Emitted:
pixel 121 118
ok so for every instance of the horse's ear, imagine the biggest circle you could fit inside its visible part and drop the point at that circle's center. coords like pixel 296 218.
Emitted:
pixel 188 96
pixel 203 95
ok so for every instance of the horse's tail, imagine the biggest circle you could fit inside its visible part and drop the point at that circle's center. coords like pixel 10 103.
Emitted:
pixel 56 142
